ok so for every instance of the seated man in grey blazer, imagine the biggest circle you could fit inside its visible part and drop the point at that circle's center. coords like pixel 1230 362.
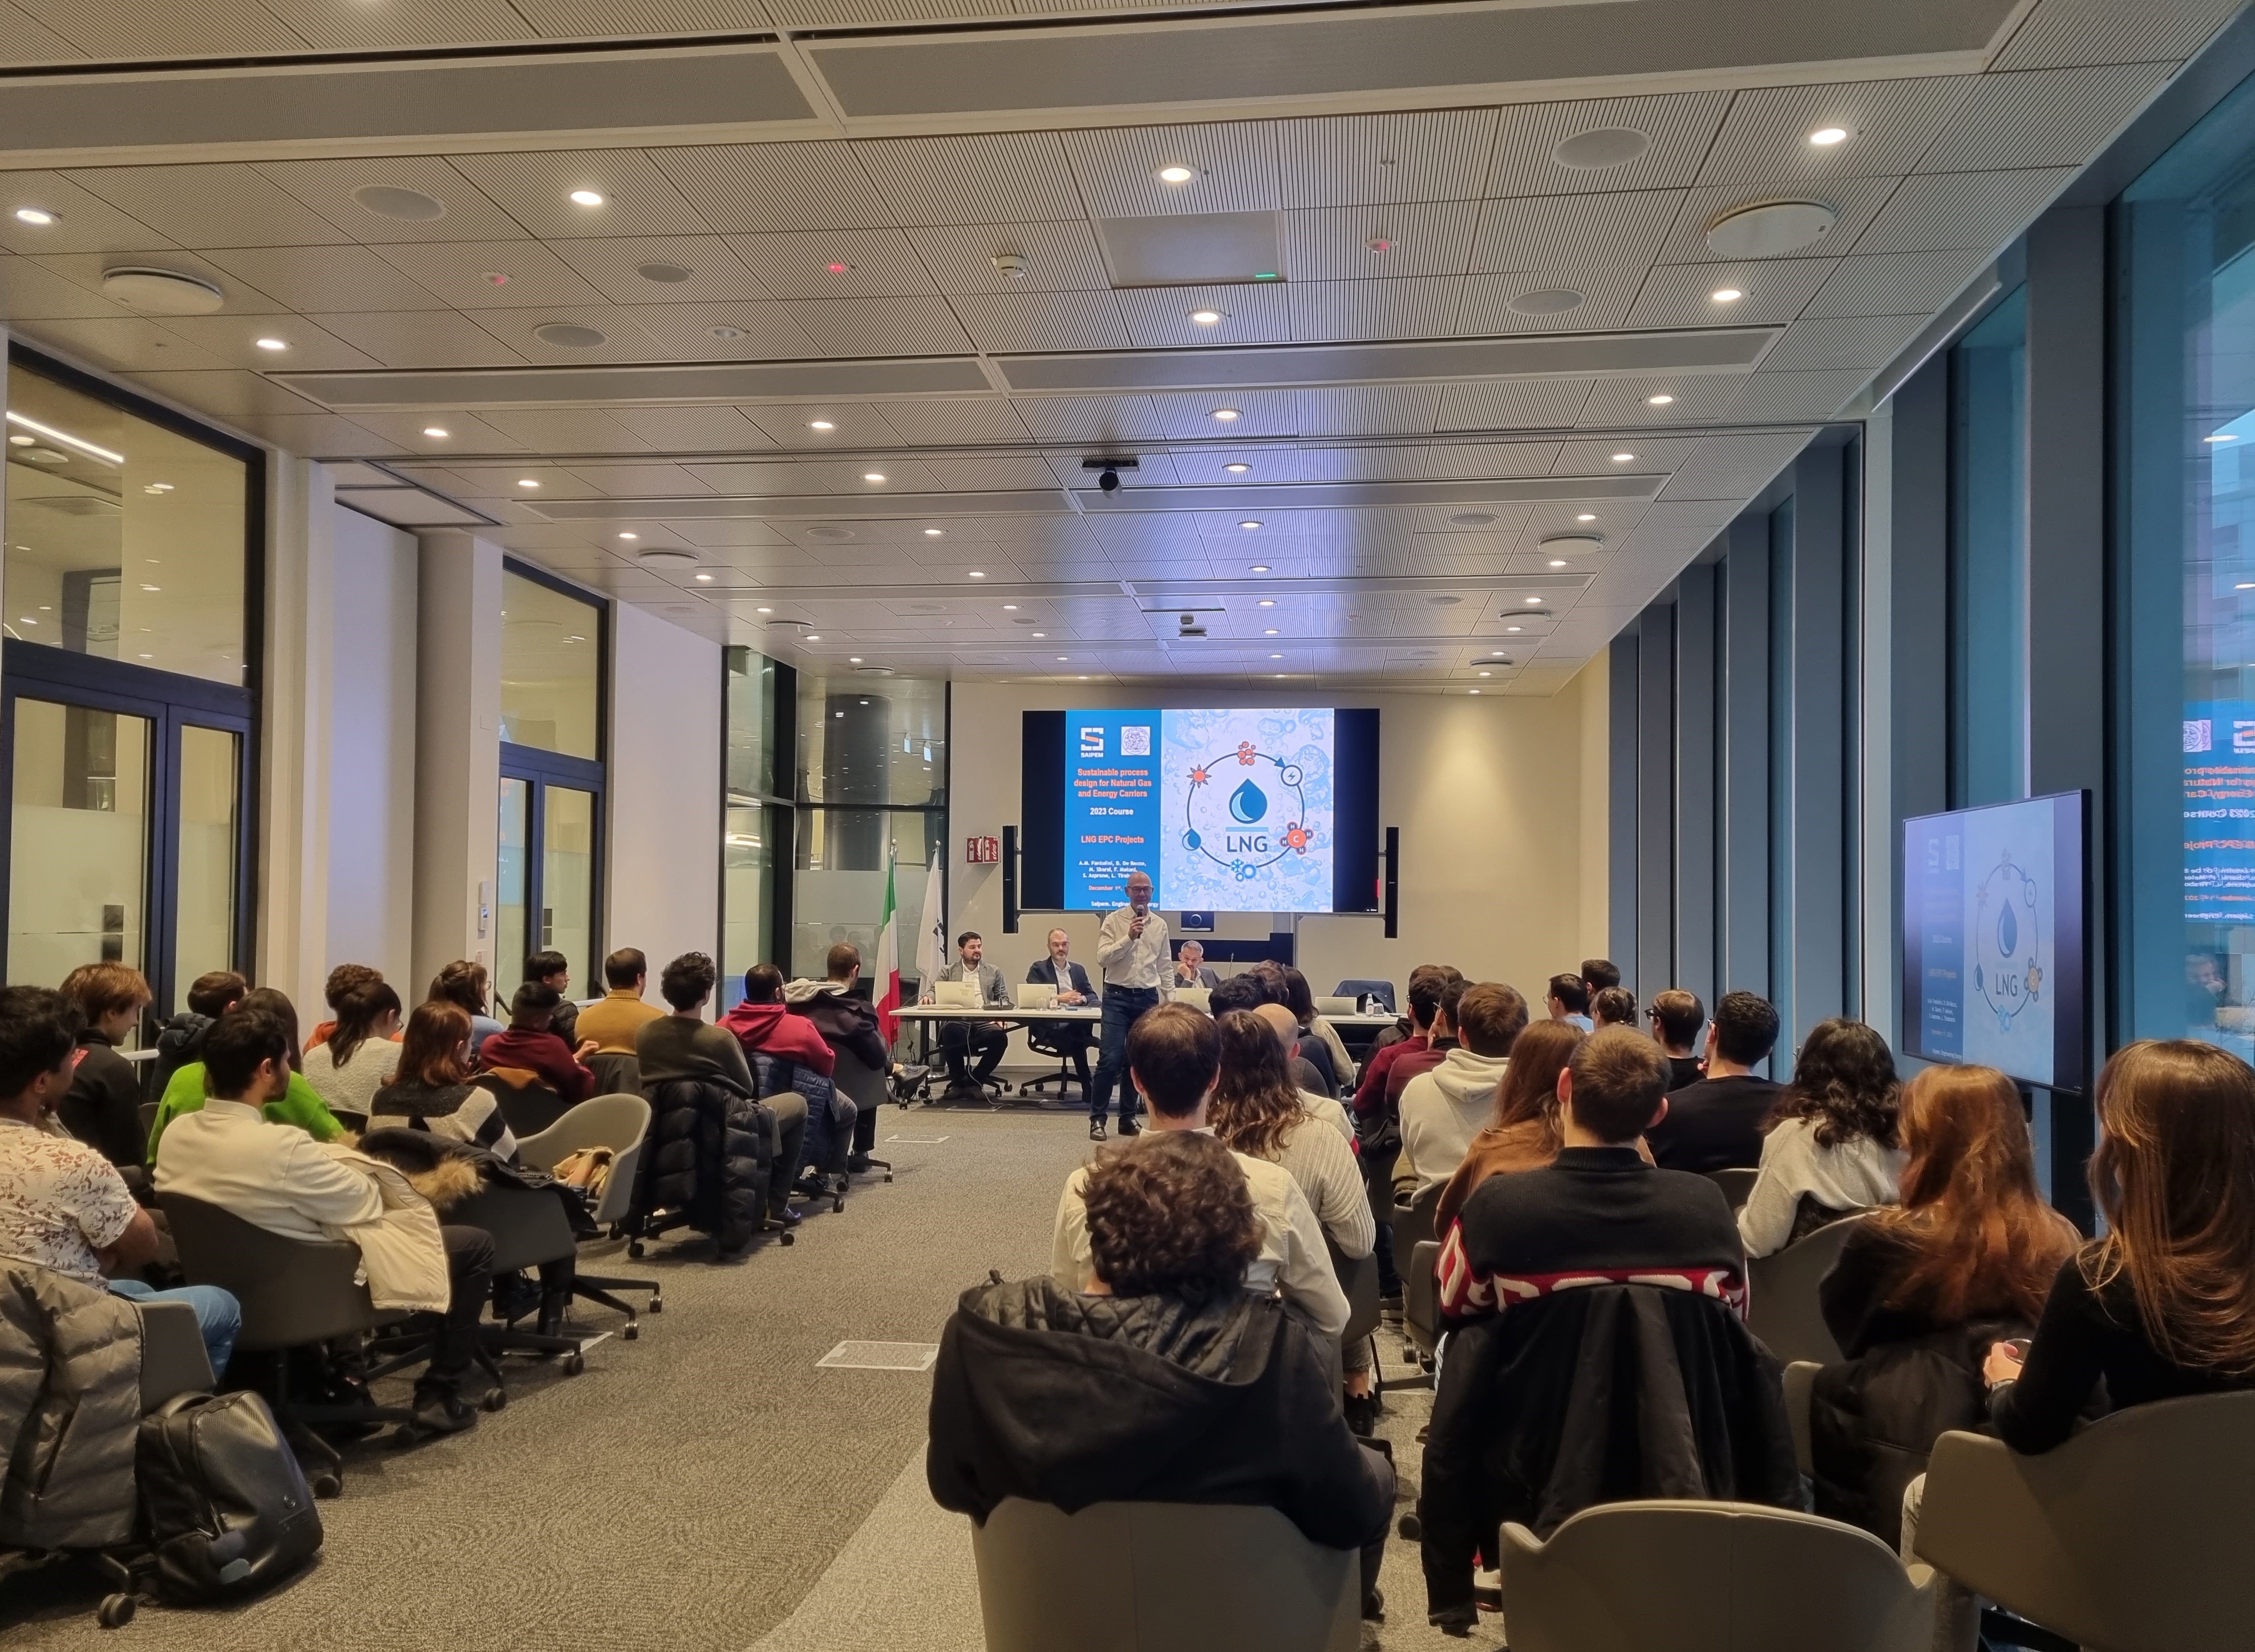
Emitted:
pixel 959 1039
pixel 1071 982
pixel 1192 970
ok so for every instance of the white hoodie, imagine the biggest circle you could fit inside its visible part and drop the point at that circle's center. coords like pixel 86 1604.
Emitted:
pixel 1443 1109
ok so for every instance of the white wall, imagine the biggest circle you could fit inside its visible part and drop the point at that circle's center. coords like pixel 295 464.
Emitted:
pixel 663 783
pixel 457 751
pixel 293 792
pixel 371 738
pixel 1500 800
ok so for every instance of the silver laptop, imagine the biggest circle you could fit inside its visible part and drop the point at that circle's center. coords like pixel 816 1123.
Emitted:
pixel 1196 997
pixel 955 994
pixel 1034 994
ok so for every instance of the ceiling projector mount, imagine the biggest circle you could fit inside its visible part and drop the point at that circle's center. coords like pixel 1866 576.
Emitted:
pixel 1108 471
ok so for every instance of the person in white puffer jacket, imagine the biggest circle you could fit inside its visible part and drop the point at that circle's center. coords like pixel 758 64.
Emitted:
pixel 1444 1108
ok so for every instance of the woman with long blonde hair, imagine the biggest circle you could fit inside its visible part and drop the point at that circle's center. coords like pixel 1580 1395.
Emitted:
pixel 2164 1305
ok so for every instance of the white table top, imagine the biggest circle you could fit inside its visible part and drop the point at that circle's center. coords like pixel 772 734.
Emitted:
pixel 949 1012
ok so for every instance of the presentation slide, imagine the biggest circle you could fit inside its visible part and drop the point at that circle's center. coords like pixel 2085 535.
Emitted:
pixel 1992 938
pixel 1227 811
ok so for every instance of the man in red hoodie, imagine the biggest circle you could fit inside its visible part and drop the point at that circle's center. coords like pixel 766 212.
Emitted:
pixel 764 1025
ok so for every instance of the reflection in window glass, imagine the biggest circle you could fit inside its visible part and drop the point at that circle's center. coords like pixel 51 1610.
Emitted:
pixel 551 667
pixel 78 872
pixel 839 891
pixel 509 926
pixel 125 540
pixel 751 724
pixel 203 931
pixel 878 741
pixel 750 866
pixel 567 879
pixel 1989 558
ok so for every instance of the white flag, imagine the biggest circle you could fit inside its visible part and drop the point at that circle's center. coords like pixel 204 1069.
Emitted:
pixel 931 950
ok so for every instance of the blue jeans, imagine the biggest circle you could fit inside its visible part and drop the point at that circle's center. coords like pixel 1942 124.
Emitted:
pixel 218 1316
pixel 1121 1006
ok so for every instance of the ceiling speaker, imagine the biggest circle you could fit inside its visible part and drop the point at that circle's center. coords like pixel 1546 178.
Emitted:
pixel 409 206
pixel 1771 229
pixel 666 556
pixel 568 335
pixel 1607 146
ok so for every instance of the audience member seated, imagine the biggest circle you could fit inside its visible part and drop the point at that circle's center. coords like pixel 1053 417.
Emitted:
pixel 1440 1039
pixel 1598 1354
pixel 846 1021
pixel 1192 970
pixel 1257 1111
pixel 361 1052
pixel 685 1045
pixel 1320 1044
pixel 554 971
pixel 103 1107
pixel 1320 1104
pixel 1612 1007
pixel 463 982
pixel 1157 1378
pixel 63 1205
pixel 297 1103
pixel 1071 984
pixel 1444 1106
pixel 1716 1123
pixel 612 1021
pixel 1523 1133
pixel 1597 973
pixel 430 1089
pixel 1403 1027
pixel 531 1045
pixel 800 1064
pixel 1832 1149
pixel 1921 1292
pixel 1568 1000
pixel 1676 1017
pixel 344 981
pixel 1174 1058
pixel 959 1040
pixel 1423 997
pixel 226 1154
pixel 180 1040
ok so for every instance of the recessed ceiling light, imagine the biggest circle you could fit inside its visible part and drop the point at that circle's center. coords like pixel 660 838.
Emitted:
pixel 1471 691
pixel 1557 562
pixel 762 610
pixel 703 578
pixel 1487 673
pixel 1270 631
pixel 1250 523
pixel 1041 635
pixel 978 574
pixel 157 487
pixel 820 424
pixel 1176 174
pixel 152 587
pixel 630 536
pixel 1225 414
pixel 854 659
pixel 1084 679
pixel 1280 677
pixel 1063 657
pixel 586 198
pixel 436 432
pixel 2244 585
pixel 1825 137
pixel 1261 567
pixel 271 344
pixel 148 657
pixel 526 482
pixel 35 215
pixel 1206 318
pixel 1267 601
pixel 935 533
pixel 20 441
pixel 1622 459
pixel 1535 600
pixel 1507 628
pixel 1726 295
pixel 1275 657
pixel 873 476
pixel 2221 436
pixel 1237 470
pixel 811 637
pixel 1661 400
pixel 1009 607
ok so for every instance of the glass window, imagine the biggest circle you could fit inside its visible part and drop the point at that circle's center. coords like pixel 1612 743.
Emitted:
pixel 1989 558
pixel 551 667
pixel 567 876
pixel 210 791
pixel 78 882
pixel 838 892
pixel 509 915
pixel 2184 596
pixel 878 741
pixel 125 539
pixel 751 724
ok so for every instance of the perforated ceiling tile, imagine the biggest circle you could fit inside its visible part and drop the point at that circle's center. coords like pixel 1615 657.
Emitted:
pixel 1346 161
pixel 966 422
pixel 1421 307
pixel 1676 128
pixel 1584 298
pixel 2062 32
pixel 1000 472
pixel 1158 317
pixel 123 343
pixel 639 481
pixel 346 25
pixel 84 221
pixel 1978 212
pixel 852 424
pixel 327 186
pixel 1484 461
pixel 1625 403
pixel 680 269
pixel 1051 258
pixel 1028 321
pixel 750 329
pixel 1816 343
pixel 1647 456
pixel 1260 413
pixel 1547 232
pixel 1355 243
pixel 327 279
pixel 420 338
pixel 599 18
pixel 1797 395
pixel 490 275
pixel 1854 201
pixel 834 263
pixel 465 433
pixel 1916 284
pixel 2043 118
pixel 622 339
pixel 84 269
pixel 1733 468
pixel 537 190
pixel 210 206
pixel 880 327
pixel 233 339
pixel 986 178
pixel 1889 124
pixel 1770 291
pixel 1378 409
pixel 1083 419
pixel 139 30
pixel 803 14
pixel 1233 167
pixel 744 188
pixel 1522 404
pixel 322 434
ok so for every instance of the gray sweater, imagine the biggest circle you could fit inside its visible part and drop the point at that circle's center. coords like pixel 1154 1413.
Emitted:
pixel 674 1047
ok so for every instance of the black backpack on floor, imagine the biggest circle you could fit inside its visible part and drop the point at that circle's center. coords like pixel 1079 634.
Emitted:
pixel 223 1503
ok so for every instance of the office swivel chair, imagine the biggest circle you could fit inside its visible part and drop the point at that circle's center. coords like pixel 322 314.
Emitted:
pixel 1044 1039
pixel 1383 989
pixel 1781 1304
pixel 528 1106
pixel 620 1123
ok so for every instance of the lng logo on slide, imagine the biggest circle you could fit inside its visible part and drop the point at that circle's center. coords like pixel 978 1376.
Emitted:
pixel 2008 970
pixel 1249 793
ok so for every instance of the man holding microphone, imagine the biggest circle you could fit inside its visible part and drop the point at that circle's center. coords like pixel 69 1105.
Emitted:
pixel 1132 949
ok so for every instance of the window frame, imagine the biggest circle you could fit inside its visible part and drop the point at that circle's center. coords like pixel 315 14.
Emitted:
pixel 539 768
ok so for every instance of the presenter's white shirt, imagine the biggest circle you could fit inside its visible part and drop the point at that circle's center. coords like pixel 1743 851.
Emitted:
pixel 1133 960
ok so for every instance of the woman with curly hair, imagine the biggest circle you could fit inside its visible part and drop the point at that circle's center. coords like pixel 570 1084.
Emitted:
pixel 1831 1147
pixel 1165 1381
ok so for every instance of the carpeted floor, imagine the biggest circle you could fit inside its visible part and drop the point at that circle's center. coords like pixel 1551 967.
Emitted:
pixel 705 1489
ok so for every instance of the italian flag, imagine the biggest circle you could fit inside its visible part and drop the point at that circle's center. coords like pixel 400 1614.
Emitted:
pixel 889 958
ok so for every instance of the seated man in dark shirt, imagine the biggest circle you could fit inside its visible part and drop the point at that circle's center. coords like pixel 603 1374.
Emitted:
pixel 1716 1123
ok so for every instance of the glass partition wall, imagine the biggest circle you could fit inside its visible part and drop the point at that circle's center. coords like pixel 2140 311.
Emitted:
pixel 553 689
pixel 127 684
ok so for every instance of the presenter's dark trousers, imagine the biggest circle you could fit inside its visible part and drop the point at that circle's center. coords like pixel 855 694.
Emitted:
pixel 957 1039
pixel 1121 1006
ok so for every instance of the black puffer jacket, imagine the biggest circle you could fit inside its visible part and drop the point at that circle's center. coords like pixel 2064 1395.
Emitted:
pixel 709 1153
pixel 179 1040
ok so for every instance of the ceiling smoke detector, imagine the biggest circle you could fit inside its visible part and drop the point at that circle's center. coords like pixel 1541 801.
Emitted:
pixel 1769 229
pixel 1010 264
pixel 161 291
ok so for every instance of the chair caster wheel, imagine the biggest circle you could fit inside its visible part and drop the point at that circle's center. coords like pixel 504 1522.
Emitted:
pixel 656 1303
pixel 495 1399
pixel 888 1175
pixel 116 1611
pixel 573 1364
pixel 1411 1528
pixel 634 1248
pixel 789 1238
pixel 328 1486
pixel 837 1205
pixel 632 1334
